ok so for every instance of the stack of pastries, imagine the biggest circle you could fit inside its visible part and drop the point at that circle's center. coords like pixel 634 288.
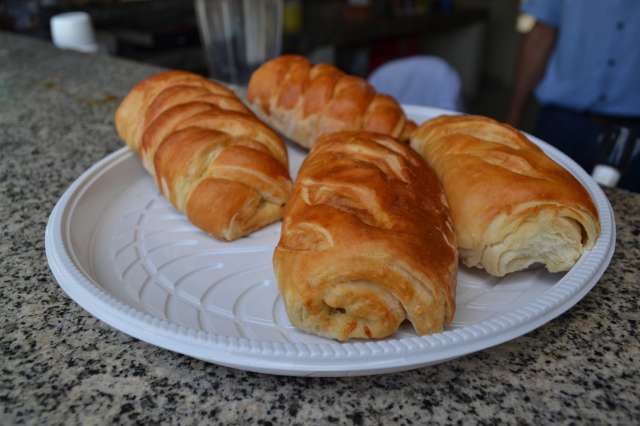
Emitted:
pixel 372 229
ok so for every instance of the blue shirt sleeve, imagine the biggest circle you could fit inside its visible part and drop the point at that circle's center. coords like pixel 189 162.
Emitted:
pixel 546 11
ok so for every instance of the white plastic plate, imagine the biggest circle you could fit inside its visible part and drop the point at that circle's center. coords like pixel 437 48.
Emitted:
pixel 124 254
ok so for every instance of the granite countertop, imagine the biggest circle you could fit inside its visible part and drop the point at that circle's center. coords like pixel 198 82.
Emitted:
pixel 61 365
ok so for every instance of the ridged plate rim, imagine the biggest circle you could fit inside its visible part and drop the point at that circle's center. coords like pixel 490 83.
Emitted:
pixel 324 359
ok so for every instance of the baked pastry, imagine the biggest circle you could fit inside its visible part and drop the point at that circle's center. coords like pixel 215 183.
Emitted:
pixel 367 241
pixel 512 205
pixel 304 101
pixel 209 154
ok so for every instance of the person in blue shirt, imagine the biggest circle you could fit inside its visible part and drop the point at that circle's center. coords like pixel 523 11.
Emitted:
pixel 583 59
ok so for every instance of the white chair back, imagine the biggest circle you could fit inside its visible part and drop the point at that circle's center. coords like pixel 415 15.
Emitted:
pixel 420 80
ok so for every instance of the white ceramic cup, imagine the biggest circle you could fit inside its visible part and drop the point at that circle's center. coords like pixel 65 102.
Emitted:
pixel 73 30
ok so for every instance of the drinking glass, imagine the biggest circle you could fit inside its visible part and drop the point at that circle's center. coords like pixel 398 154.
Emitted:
pixel 238 36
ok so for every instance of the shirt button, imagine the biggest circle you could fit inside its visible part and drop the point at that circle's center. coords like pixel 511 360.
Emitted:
pixel 620 25
pixel 611 62
pixel 602 97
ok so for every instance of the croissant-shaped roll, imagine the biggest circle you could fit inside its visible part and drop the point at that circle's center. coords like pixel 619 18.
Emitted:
pixel 304 101
pixel 512 205
pixel 210 156
pixel 367 241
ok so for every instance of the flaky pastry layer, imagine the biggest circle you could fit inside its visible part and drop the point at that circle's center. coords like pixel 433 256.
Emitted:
pixel 304 101
pixel 208 153
pixel 367 241
pixel 512 205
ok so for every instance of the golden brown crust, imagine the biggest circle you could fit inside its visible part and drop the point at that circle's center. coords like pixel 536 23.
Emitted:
pixel 367 241
pixel 511 204
pixel 304 101
pixel 209 154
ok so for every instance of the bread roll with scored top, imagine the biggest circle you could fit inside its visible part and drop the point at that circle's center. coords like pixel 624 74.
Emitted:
pixel 209 154
pixel 366 242
pixel 511 204
pixel 304 101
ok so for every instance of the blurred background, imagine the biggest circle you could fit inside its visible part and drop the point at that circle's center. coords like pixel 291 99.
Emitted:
pixel 478 39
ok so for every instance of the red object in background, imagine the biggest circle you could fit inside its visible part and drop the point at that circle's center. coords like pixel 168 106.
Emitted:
pixel 387 50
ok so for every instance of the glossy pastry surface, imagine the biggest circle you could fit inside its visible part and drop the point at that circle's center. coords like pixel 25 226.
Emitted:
pixel 367 241
pixel 211 157
pixel 512 205
pixel 304 101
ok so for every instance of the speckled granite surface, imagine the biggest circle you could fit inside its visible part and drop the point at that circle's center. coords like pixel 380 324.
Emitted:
pixel 60 365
